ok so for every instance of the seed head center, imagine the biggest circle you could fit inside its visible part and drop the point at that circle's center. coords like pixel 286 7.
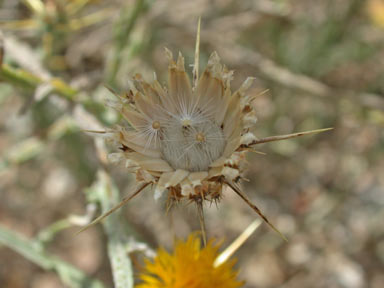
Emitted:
pixel 156 125
pixel 200 137
pixel 186 122
pixel 193 147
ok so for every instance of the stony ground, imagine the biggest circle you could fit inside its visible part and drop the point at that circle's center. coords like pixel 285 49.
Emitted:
pixel 321 62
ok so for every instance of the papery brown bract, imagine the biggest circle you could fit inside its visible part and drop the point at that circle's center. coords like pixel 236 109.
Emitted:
pixel 187 141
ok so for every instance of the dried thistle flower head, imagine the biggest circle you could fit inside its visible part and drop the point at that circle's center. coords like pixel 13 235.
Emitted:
pixel 186 139
pixel 190 139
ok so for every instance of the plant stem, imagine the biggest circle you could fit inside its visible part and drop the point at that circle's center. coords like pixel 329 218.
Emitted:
pixel 28 81
pixel 124 27
pixel 106 193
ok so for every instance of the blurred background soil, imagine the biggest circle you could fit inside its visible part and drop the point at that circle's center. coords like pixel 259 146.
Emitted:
pixel 322 64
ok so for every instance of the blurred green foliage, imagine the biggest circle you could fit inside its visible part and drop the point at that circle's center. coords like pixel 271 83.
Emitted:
pixel 322 63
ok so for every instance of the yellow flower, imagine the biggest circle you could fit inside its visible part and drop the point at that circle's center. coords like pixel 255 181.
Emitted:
pixel 375 9
pixel 190 266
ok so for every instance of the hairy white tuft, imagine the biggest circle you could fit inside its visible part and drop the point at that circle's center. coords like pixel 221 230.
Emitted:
pixel 192 145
